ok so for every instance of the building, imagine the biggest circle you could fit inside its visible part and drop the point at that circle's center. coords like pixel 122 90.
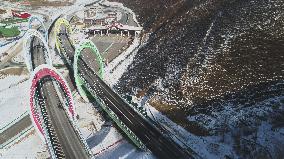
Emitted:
pixel 88 22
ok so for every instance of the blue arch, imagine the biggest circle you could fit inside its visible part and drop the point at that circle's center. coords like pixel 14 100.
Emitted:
pixel 31 19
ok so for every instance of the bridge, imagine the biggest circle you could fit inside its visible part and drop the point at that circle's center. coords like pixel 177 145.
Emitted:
pixel 89 81
pixel 51 102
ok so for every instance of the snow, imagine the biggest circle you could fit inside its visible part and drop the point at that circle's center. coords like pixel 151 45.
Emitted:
pixel 104 140
pixel 13 98
pixel 125 150
pixel 19 58
pixel 115 69
pixel 31 146
pixel 267 138
pixel 5 48
pixel 123 7
pixel 197 144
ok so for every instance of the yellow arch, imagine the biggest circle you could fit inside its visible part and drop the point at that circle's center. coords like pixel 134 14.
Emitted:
pixel 58 23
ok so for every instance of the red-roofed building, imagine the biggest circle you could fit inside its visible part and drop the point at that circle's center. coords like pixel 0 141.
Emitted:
pixel 23 15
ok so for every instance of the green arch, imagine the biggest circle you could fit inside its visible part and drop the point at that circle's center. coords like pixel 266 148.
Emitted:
pixel 83 45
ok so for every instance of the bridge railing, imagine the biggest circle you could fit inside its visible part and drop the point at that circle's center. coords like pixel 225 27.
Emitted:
pixel 45 126
pixel 80 135
pixel 114 117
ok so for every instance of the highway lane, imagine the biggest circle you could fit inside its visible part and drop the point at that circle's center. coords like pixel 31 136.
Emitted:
pixel 69 49
pixel 37 52
pixel 64 132
pixel 161 146
pixel 68 138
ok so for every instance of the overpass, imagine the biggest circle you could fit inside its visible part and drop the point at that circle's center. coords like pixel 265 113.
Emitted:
pixel 47 104
pixel 140 130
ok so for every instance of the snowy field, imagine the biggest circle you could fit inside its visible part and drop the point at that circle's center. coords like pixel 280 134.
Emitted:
pixel 30 147
pixel 14 98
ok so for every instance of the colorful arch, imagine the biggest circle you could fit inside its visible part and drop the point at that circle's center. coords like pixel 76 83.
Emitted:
pixel 33 18
pixel 26 46
pixel 39 73
pixel 83 45
pixel 58 23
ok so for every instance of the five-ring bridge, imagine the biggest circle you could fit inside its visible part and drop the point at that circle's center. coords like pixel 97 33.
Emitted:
pixel 51 102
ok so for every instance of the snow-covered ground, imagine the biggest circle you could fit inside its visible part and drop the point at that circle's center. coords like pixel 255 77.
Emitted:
pixel 31 146
pixel 115 69
pixel 13 98
pixel 5 48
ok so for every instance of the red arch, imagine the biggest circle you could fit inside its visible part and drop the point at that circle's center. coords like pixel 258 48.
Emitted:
pixel 41 73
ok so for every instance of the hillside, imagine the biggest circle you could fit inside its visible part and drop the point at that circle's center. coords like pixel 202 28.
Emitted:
pixel 216 68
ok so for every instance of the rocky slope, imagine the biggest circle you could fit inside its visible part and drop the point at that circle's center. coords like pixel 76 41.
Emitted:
pixel 216 68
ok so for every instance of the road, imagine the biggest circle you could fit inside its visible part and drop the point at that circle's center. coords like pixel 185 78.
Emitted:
pixel 154 140
pixel 12 52
pixel 37 52
pixel 161 146
pixel 67 137
pixel 63 129
pixel 15 129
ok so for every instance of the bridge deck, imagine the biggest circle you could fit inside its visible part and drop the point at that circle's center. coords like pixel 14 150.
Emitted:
pixel 68 138
pixel 161 146
pixel 65 133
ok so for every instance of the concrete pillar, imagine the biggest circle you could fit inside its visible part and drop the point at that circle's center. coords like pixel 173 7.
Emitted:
pixel 101 32
pixel 107 33
pixel 120 33
pixel 128 34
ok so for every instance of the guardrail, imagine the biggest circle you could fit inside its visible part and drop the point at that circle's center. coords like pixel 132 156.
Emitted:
pixel 47 129
pixel 80 135
pixel 115 118
pixel 73 123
